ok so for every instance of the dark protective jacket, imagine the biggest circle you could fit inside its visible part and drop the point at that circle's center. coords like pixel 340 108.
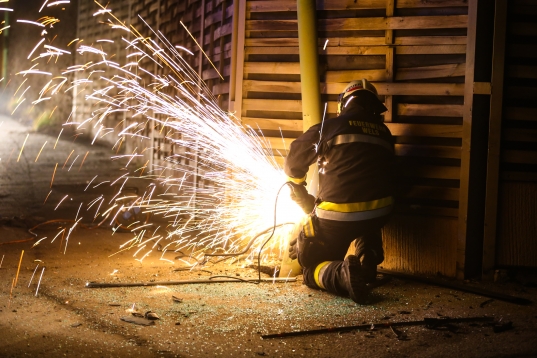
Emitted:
pixel 355 155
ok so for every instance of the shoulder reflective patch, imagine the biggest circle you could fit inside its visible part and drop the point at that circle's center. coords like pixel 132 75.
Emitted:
pixel 359 138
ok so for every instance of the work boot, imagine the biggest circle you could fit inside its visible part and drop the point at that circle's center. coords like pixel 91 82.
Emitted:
pixel 352 279
pixel 369 266
pixel 369 272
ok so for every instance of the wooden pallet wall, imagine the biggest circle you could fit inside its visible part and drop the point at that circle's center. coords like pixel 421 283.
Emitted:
pixel 204 28
pixel 208 25
pixel 93 33
pixel 517 216
pixel 415 53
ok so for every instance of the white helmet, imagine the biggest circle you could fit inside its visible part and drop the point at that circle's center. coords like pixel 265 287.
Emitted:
pixel 351 90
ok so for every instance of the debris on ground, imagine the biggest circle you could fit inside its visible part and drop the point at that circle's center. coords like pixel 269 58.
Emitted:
pixel 138 320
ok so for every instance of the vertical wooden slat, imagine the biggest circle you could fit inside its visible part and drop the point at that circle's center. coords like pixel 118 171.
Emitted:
pixel 241 25
pixel 390 52
pixel 466 138
pixel 495 124
pixel 201 39
pixel 233 62
pixel 222 49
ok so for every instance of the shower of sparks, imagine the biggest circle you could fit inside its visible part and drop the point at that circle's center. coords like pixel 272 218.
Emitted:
pixel 83 160
pixel 38 154
pixel 216 189
pixel 19 268
pixel 31 22
pixel 53 173
pixel 39 282
pixel 31 278
pixel 50 192
pixel 22 148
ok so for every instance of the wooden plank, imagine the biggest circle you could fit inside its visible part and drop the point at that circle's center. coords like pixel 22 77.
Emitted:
pixel 233 61
pixel 422 89
pixel 466 139
pixel 437 71
pixel 430 192
pixel 273 124
pixel 366 23
pixel 410 247
pixel 437 3
pixel 221 31
pixel 518 176
pixel 430 50
pixel 271 105
pixel 522 29
pixel 430 110
pixel 279 160
pixel 494 139
pixel 425 130
pixel 238 36
pixel 521 92
pixel 520 114
pixel 211 74
pixel 276 143
pixel 390 65
pixel 288 50
pixel 432 172
pixel 411 150
pixel 286 6
pixel 293 42
pixel 360 41
pixel 482 88
pixel 221 88
pixel 350 75
pixel 519 135
pixel 430 40
pixel 289 68
pixel 522 50
pixel 519 156
pixel 516 226
pixel 521 71
pixel 421 211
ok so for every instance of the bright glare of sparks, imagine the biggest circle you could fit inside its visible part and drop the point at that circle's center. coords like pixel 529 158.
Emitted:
pixel 217 189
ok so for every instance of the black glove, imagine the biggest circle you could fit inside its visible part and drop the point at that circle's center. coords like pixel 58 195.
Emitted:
pixel 300 195
pixel 293 249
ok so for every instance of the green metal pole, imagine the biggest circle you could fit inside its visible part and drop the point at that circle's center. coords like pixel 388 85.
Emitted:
pixel 309 63
pixel 311 103
pixel 309 75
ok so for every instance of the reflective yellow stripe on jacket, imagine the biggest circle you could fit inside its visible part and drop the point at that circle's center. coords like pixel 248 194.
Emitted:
pixel 355 211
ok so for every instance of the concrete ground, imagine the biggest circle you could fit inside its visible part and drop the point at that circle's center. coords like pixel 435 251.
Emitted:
pixel 50 312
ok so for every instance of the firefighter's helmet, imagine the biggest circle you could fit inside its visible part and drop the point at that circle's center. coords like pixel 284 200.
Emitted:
pixel 352 89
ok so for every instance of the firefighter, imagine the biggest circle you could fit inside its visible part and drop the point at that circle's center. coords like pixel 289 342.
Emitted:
pixel 354 153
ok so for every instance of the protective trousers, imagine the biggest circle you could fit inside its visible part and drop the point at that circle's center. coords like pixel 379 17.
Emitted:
pixel 324 268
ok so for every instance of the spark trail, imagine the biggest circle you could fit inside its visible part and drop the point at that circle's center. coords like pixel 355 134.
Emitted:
pixel 216 189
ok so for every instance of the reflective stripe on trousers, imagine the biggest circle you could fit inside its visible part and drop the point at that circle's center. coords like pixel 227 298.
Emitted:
pixel 318 273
